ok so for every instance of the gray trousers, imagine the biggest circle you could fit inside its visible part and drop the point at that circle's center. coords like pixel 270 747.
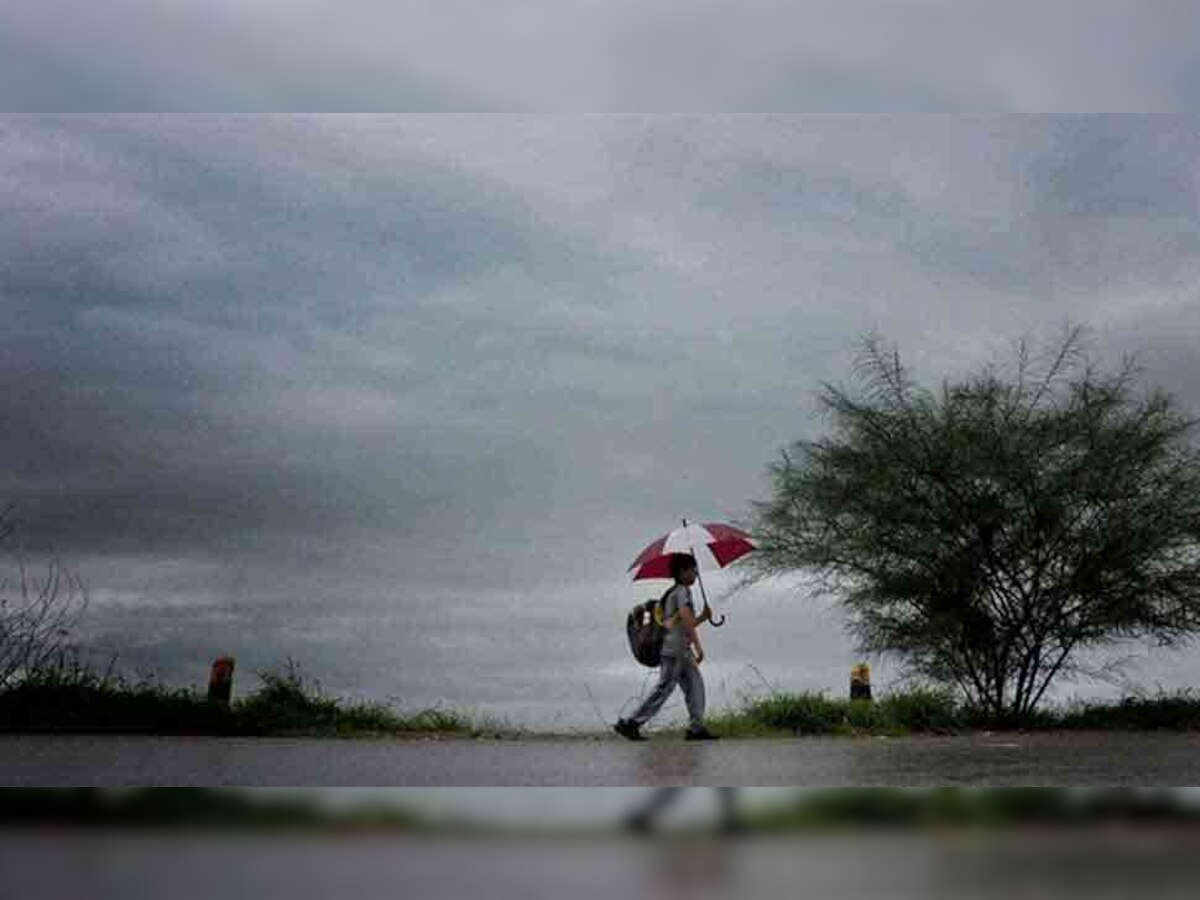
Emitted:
pixel 675 670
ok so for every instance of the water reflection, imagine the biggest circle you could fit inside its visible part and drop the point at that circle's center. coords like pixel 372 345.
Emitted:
pixel 646 815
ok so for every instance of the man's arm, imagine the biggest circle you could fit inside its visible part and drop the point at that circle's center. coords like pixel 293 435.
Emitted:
pixel 688 618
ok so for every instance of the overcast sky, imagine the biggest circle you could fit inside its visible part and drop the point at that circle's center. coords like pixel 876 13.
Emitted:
pixel 961 56
pixel 398 395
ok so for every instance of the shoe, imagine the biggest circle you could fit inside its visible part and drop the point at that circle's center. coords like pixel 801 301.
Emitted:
pixel 699 734
pixel 628 729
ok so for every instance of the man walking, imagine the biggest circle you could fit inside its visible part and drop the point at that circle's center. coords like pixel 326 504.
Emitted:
pixel 682 654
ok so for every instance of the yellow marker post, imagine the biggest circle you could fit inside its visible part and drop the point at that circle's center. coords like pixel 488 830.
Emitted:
pixel 860 682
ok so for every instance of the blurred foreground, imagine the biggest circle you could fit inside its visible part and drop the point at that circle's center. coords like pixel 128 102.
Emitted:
pixel 869 843
pixel 1087 861
pixel 589 812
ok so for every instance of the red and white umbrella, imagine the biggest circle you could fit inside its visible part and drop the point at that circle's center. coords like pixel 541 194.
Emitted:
pixel 713 544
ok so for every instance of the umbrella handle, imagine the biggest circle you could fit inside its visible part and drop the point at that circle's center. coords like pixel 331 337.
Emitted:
pixel 703 593
pixel 707 616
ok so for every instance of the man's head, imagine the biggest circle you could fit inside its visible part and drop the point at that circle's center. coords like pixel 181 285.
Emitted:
pixel 683 568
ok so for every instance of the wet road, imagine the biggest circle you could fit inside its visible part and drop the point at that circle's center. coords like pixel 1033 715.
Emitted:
pixel 1045 759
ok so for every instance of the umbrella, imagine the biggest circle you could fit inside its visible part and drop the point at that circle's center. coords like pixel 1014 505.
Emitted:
pixel 713 544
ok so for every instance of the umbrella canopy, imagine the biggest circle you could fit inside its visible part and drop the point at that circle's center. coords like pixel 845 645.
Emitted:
pixel 714 545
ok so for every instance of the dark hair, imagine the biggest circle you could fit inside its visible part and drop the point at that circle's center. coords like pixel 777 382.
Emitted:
pixel 681 562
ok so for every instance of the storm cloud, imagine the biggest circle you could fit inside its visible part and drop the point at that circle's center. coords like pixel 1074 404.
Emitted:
pixel 402 396
pixel 923 56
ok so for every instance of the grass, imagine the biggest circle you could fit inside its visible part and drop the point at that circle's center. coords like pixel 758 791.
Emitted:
pixel 1161 712
pixel 69 700
pixel 76 700
pixel 934 711
pixel 917 711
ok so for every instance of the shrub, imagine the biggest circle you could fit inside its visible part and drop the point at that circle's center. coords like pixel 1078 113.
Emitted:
pixel 1170 712
pixel 804 713
pixel 74 699
pixel 919 710
pixel 923 710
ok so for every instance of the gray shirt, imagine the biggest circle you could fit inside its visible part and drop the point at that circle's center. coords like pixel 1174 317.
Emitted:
pixel 676 641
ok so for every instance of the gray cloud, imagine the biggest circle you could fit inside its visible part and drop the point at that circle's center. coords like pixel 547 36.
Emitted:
pixel 476 56
pixel 326 385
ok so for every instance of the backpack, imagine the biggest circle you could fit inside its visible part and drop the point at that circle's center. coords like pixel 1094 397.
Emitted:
pixel 645 629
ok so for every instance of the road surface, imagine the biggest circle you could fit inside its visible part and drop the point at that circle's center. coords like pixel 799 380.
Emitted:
pixel 1063 758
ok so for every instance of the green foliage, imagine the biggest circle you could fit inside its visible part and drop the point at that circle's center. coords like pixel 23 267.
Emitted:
pixel 806 713
pixel 937 711
pixel 923 710
pixel 287 703
pixel 871 717
pixel 1164 712
pixel 77 700
pixel 986 533
pixel 916 711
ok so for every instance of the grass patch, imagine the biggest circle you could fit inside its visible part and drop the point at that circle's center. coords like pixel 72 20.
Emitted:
pixel 933 711
pixel 287 703
pixel 74 700
pixel 917 711
pixel 923 711
pixel 1162 712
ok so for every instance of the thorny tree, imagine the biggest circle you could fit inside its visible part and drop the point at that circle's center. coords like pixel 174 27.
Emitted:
pixel 989 532
pixel 37 614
